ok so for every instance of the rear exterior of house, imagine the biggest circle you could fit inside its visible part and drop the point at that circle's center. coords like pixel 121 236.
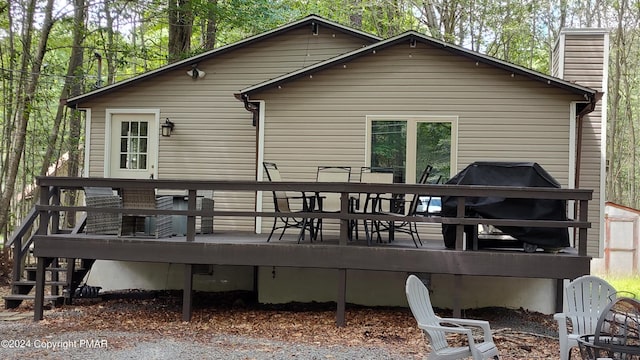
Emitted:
pixel 327 117
pixel 214 136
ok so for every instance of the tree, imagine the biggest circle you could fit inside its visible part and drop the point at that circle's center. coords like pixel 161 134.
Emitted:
pixel 25 93
pixel 180 29
pixel 133 37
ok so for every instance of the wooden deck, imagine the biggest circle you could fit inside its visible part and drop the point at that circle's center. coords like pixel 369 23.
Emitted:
pixel 339 253
pixel 237 248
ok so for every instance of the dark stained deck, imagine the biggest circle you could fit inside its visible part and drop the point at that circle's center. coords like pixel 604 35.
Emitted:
pixel 236 248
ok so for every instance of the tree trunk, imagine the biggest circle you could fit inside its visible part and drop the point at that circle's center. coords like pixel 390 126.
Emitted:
pixel 211 27
pixel 614 167
pixel 72 86
pixel 25 93
pixel 110 46
pixel 180 29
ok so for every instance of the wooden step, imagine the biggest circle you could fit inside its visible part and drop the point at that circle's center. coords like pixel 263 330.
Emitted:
pixel 33 283
pixel 14 300
pixel 52 269
pixel 32 297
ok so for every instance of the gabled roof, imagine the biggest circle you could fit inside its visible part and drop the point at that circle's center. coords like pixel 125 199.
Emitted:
pixel 408 37
pixel 310 20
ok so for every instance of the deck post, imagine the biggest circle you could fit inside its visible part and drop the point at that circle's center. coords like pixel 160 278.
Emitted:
pixel 187 293
pixel 344 223
pixel 38 306
pixel 71 269
pixel 582 232
pixel 459 227
pixel 342 298
pixel 559 295
pixel 457 291
pixel 191 219
pixel 55 215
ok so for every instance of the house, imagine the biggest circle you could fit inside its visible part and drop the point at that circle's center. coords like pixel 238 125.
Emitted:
pixel 314 93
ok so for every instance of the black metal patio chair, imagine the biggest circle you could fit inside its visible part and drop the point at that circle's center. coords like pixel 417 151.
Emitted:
pixel 404 206
pixel 281 203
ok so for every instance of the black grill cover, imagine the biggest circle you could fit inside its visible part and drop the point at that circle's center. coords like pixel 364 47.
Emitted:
pixel 510 174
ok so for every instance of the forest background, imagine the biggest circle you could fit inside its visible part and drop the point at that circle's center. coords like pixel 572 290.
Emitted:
pixel 51 50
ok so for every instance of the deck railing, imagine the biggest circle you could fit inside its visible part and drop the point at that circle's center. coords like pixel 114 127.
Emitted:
pixel 49 207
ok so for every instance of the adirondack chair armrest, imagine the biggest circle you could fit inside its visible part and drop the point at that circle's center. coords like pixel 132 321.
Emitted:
pixel 563 333
pixel 450 329
pixel 483 324
pixel 561 318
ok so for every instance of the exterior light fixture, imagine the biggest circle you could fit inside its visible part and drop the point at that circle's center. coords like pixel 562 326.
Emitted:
pixel 167 128
pixel 195 73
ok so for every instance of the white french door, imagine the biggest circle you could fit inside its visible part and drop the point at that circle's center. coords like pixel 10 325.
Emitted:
pixel 133 145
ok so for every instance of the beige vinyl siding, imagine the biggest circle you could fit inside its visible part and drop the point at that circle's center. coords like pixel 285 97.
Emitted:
pixel 321 120
pixel 585 57
pixel 555 59
pixel 213 136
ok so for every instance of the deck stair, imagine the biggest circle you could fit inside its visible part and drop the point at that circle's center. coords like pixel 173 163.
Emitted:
pixel 62 276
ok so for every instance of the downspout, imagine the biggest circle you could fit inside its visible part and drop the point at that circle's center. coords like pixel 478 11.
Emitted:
pixel 249 106
pixel 591 106
pixel 255 109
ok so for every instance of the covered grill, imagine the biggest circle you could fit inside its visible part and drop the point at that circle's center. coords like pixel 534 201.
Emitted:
pixel 617 334
pixel 520 174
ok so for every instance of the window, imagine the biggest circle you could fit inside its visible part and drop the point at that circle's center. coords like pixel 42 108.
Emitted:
pixel 409 145
pixel 134 136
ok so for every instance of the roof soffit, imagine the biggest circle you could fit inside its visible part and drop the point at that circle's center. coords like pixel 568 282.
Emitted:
pixel 408 37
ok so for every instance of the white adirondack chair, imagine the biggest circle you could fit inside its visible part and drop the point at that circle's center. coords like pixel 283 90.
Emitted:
pixel 436 327
pixel 585 298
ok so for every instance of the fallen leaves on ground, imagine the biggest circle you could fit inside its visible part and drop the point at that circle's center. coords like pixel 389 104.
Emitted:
pixel 518 334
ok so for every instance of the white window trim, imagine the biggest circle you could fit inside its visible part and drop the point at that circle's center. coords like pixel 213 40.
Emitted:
pixel 87 141
pixel 154 143
pixel 260 171
pixel 412 121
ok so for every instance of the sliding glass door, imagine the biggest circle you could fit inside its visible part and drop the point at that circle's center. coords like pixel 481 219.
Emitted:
pixel 409 145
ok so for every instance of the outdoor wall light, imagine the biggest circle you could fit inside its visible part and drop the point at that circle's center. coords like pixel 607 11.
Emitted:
pixel 195 73
pixel 167 128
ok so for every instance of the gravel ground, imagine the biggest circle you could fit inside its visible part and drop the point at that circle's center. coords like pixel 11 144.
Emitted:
pixel 135 345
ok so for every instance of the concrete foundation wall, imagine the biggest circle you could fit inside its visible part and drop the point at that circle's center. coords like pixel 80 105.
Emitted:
pixel 123 275
pixel 387 289
pixel 281 285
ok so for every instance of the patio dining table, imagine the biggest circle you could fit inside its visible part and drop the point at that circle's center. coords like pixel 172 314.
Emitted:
pixel 374 204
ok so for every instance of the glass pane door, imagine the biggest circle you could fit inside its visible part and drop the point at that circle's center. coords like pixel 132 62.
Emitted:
pixel 134 137
pixel 389 146
pixel 433 147
pixel 133 146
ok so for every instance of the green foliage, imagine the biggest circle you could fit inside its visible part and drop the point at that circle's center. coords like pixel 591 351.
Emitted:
pixel 628 285
pixel 521 32
pixel 388 145
pixel 434 148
